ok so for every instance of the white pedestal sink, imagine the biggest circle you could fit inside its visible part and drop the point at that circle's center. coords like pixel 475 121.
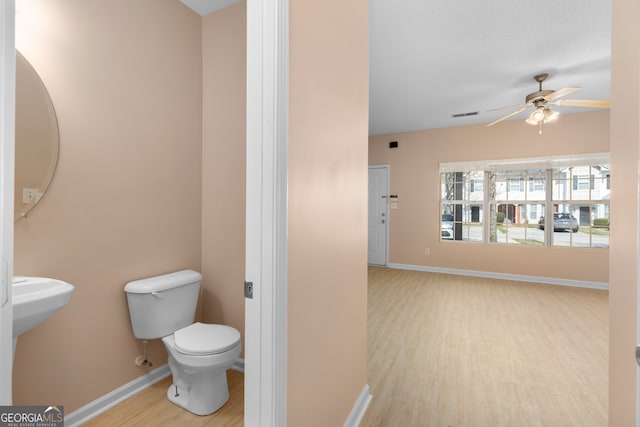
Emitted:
pixel 35 299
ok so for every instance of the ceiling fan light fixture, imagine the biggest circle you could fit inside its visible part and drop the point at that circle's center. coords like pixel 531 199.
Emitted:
pixel 541 99
pixel 530 120
pixel 536 116
pixel 550 115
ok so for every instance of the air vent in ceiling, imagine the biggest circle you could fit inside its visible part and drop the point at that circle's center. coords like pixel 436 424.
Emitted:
pixel 472 113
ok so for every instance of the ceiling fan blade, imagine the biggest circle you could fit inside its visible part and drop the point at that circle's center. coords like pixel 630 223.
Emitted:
pixel 510 106
pixel 562 92
pixel 588 103
pixel 507 116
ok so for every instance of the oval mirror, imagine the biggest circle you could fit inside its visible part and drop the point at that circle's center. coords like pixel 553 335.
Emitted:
pixel 37 140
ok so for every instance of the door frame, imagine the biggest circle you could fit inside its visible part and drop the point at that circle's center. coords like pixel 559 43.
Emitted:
pixel 637 309
pixel 7 137
pixel 265 397
pixel 387 169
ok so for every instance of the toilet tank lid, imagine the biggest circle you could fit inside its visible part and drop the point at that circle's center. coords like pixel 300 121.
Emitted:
pixel 163 282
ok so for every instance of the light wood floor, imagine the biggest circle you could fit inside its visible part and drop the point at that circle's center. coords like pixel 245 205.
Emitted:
pixel 152 408
pixel 458 351
pixel 454 351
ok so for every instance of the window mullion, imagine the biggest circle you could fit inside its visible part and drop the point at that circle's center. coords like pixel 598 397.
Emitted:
pixel 486 205
pixel 548 209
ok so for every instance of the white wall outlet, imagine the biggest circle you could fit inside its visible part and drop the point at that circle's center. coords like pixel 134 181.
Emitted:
pixel 29 195
pixel 427 251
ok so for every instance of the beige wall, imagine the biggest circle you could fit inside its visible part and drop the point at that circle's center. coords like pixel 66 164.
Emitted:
pixel 223 165
pixel 625 138
pixel 125 203
pixel 414 177
pixel 328 118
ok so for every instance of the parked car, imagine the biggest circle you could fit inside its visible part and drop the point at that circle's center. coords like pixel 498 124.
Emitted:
pixel 562 222
pixel 446 228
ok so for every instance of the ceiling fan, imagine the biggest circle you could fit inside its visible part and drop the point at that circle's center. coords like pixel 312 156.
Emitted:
pixel 542 100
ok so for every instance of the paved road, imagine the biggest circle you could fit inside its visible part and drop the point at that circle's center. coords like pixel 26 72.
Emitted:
pixel 560 238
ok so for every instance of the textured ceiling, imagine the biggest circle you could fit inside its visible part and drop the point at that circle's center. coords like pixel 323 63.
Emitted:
pixel 432 59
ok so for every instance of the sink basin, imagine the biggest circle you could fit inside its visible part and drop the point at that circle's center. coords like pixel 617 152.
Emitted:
pixel 35 299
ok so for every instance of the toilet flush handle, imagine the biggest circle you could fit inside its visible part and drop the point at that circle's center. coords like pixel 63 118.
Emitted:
pixel 157 294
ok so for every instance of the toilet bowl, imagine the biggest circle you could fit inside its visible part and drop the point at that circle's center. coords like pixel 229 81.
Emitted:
pixel 199 354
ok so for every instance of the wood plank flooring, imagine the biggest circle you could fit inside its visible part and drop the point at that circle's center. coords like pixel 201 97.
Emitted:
pixel 454 351
pixel 459 351
pixel 152 408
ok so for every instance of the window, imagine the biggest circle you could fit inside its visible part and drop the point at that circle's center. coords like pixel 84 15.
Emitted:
pixel 559 201
pixel 583 182
pixel 581 216
pixel 477 185
pixel 462 205
pixel 536 184
pixel 513 204
pixel 516 184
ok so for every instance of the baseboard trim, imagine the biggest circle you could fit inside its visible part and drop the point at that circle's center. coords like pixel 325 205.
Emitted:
pixel 359 408
pixel 109 400
pixel 238 365
pixel 504 276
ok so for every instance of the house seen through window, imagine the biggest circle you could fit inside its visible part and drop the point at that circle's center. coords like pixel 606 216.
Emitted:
pixel 547 202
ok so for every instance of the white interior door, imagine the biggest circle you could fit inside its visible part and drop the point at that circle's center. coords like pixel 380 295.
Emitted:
pixel 7 125
pixel 378 214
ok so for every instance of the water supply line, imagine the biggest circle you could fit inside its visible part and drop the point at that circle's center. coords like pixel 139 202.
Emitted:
pixel 142 360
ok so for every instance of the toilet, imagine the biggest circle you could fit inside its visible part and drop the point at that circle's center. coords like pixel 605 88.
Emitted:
pixel 199 354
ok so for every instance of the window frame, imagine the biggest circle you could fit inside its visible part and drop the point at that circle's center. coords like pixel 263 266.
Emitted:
pixel 515 173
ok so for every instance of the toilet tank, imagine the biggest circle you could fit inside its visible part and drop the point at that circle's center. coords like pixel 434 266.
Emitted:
pixel 160 305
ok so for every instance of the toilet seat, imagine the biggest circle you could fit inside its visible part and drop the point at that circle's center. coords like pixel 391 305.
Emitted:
pixel 200 339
